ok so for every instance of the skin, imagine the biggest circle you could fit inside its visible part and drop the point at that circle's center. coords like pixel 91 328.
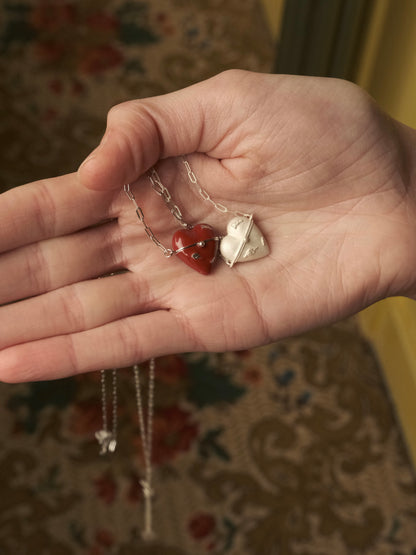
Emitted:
pixel 329 178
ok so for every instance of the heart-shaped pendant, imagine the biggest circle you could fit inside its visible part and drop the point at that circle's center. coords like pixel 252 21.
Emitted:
pixel 243 242
pixel 197 246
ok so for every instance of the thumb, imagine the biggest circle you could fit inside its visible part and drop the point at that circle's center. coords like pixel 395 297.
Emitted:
pixel 140 132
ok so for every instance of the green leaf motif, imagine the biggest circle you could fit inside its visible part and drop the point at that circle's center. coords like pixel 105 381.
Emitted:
pixel 134 66
pixel 231 530
pixel 17 29
pixel 130 33
pixel 208 387
pixel 57 393
pixel 134 24
pixel 209 445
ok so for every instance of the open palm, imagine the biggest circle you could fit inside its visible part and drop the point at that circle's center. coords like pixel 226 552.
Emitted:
pixel 321 169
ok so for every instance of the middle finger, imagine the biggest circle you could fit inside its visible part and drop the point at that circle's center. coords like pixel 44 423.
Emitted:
pixel 40 267
pixel 75 308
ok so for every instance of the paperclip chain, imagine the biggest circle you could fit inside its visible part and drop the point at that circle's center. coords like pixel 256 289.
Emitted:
pixel 163 192
pixel 167 252
pixel 205 195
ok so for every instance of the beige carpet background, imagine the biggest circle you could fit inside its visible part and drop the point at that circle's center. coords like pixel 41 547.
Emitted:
pixel 291 448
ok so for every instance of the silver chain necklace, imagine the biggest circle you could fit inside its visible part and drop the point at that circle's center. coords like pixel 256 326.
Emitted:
pixel 198 245
pixel 108 439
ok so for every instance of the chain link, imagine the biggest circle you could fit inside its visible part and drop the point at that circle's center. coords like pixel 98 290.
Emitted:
pixel 167 252
pixel 163 192
pixel 104 401
pixel 205 195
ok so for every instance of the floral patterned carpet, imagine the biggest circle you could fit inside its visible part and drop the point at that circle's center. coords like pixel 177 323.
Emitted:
pixel 291 448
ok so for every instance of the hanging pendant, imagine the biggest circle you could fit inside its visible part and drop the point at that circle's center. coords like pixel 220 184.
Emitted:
pixel 197 247
pixel 107 441
pixel 243 242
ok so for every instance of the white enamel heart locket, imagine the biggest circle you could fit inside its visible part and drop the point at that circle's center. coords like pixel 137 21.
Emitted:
pixel 243 242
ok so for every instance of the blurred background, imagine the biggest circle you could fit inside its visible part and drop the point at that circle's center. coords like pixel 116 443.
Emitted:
pixel 302 447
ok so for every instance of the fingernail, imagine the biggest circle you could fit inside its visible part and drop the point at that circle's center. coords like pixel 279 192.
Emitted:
pixel 89 158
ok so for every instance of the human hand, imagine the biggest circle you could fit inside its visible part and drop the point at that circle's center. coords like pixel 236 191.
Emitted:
pixel 327 176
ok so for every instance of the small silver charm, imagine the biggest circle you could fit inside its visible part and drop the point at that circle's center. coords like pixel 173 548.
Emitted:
pixel 107 441
pixel 148 493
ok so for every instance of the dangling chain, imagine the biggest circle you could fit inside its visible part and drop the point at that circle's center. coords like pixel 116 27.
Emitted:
pixel 197 246
pixel 146 435
pixel 108 440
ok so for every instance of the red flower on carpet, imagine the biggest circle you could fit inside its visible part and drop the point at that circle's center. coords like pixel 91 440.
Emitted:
pixel 252 376
pixel 134 489
pixel 104 537
pixel 171 369
pixel 101 21
pixel 77 88
pixel 201 525
pixel 100 59
pixel 86 417
pixel 243 354
pixel 50 15
pixel 50 114
pixel 106 488
pixel 56 86
pixel 173 433
pixel 165 23
pixel 50 51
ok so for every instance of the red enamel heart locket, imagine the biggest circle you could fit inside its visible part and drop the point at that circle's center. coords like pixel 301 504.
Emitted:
pixel 197 246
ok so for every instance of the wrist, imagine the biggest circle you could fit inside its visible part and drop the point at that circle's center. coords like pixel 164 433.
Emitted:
pixel 407 221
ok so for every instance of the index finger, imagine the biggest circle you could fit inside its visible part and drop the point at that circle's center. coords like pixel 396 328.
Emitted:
pixel 49 208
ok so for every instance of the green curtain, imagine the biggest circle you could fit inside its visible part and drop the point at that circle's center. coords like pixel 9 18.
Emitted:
pixel 322 37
